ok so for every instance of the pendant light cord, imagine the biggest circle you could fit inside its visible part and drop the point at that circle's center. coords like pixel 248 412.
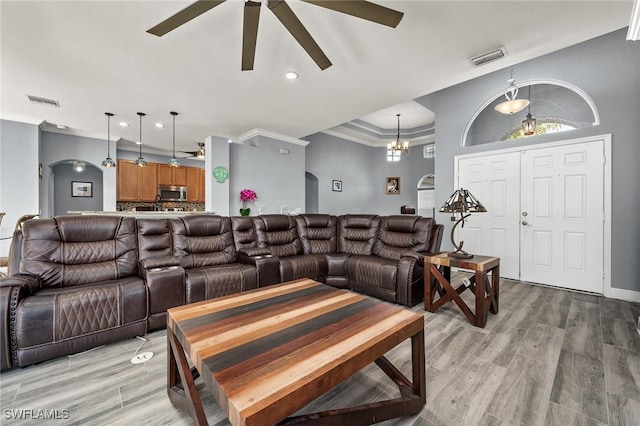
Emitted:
pixel 108 135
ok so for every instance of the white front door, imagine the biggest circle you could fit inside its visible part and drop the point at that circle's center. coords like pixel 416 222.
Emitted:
pixel 562 216
pixel 545 212
pixel 495 181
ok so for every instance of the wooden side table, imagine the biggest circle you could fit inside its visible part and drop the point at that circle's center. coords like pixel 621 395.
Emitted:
pixel 486 291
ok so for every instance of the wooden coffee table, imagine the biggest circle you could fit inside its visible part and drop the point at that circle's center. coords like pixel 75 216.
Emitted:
pixel 265 354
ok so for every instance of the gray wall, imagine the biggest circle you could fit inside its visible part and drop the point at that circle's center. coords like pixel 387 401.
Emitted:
pixel 57 148
pixel 608 69
pixel 154 158
pixel 363 171
pixel 410 169
pixel 330 158
pixel 64 202
pixel 278 179
pixel 19 146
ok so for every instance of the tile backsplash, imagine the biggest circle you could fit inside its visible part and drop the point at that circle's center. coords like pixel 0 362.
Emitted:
pixel 187 207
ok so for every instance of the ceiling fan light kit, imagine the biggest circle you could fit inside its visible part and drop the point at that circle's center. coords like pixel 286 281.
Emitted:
pixel 200 153
pixel 360 9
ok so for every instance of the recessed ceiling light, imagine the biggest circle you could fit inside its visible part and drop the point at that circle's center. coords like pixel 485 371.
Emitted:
pixel 229 140
pixel 124 124
pixel 159 125
pixel 291 75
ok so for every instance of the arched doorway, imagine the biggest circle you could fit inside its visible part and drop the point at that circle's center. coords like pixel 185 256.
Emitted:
pixel 311 193
pixel 77 186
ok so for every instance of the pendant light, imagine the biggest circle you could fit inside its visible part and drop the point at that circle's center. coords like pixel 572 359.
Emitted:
pixel 140 162
pixel 108 162
pixel 397 146
pixel 529 124
pixel 512 104
pixel 173 162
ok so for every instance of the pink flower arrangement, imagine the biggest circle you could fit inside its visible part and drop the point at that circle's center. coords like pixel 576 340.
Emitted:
pixel 248 195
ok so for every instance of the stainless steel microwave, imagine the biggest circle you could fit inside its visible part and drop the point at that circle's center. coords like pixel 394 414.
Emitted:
pixel 172 193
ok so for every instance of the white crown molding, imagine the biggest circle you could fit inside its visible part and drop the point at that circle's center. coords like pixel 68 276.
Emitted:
pixel 634 22
pixel 273 135
pixel 422 140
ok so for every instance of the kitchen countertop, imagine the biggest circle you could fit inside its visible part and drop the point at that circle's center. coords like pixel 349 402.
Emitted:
pixel 142 214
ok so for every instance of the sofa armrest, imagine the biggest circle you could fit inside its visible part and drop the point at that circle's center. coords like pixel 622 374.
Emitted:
pixel 165 283
pixel 254 251
pixel 12 289
pixel 418 257
pixel 28 283
pixel 159 262
pixel 267 265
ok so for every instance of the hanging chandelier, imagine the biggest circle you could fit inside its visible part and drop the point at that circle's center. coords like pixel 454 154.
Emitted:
pixel 140 162
pixel 108 162
pixel 401 148
pixel 512 104
pixel 173 162
pixel 529 124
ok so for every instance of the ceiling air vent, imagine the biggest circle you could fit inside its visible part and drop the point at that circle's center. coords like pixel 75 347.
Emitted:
pixel 44 101
pixel 485 58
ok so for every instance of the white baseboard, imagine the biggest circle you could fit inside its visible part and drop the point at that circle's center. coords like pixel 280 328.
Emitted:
pixel 622 294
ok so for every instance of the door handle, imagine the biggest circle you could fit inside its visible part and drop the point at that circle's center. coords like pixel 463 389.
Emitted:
pixel 525 223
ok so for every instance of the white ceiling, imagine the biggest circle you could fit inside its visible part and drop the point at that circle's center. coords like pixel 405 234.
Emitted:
pixel 95 56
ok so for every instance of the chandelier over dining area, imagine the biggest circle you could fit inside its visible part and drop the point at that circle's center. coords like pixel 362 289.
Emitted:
pixel 401 148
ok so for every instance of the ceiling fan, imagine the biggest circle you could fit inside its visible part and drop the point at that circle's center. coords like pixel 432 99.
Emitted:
pixel 358 8
pixel 199 153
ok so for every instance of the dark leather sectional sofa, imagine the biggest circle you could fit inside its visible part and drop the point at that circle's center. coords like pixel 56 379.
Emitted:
pixel 78 282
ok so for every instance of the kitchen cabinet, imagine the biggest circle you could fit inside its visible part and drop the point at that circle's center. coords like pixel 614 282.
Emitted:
pixel 174 176
pixel 136 183
pixel 195 185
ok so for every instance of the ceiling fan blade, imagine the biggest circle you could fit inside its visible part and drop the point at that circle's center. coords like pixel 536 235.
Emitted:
pixel 291 22
pixel 362 9
pixel 185 15
pixel 250 34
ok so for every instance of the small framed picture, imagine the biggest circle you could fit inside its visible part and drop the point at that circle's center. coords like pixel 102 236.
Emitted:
pixel 337 185
pixel 393 185
pixel 82 189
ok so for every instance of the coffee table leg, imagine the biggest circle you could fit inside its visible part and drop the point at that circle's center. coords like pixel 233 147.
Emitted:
pixel 418 367
pixel 495 284
pixel 481 318
pixel 181 388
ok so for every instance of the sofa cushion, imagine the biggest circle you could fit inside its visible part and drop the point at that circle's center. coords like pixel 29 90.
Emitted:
pixel 154 238
pixel 244 234
pixel 374 276
pixel 357 233
pixel 318 233
pixel 216 281
pixel 313 266
pixel 203 240
pixel 76 250
pixel 279 233
pixel 58 314
pixel 399 234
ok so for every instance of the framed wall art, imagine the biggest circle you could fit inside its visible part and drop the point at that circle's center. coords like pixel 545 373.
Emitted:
pixel 336 185
pixel 81 189
pixel 393 185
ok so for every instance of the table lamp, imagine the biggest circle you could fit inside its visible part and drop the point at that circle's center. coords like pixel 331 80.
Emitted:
pixel 463 202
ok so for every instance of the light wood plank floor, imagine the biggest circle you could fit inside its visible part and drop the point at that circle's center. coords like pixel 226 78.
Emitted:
pixel 550 357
